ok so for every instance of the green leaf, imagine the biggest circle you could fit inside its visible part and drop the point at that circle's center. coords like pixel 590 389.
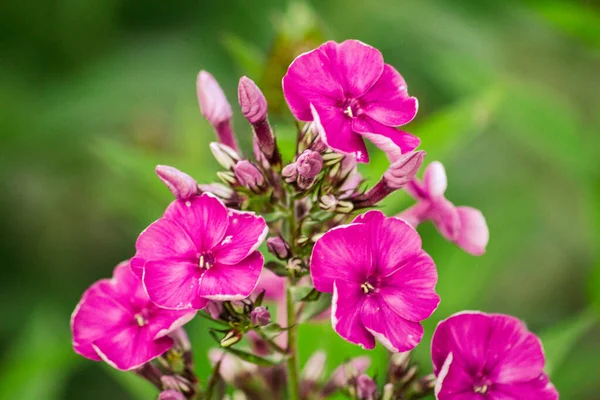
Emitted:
pixel 300 292
pixel 313 295
pixel 277 268
pixel 314 308
pixel 259 299
pixel 560 339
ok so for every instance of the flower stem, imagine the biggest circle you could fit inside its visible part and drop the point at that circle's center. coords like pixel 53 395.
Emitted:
pixel 292 361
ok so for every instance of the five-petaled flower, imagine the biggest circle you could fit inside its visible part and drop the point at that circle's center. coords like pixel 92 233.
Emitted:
pixel 115 321
pixel 383 283
pixel 200 251
pixel 351 94
pixel 464 226
pixel 480 356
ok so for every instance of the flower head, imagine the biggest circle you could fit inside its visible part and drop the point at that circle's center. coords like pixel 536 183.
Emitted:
pixel 200 251
pixel 179 183
pixel 383 283
pixel 464 226
pixel 351 94
pixel 479 356
pixel 115 321
pixel 252 101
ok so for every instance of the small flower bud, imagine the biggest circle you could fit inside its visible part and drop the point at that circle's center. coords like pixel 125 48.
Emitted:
pixel 231 338
pixel 294 265
pixel 215 107
pixel 171 395
pixel 179 183
pixel 217 189
pixel 388 392
pixel 225 155
pixel 331 158
pixel 404 169
pixel 366 388
pixel 260 316
pixel 252 101
pixel 249 176
pixel 409 375
pixel 214 309
pixel 278 247
pixel 181 339
pixel 318 144
pixel 344 207
pixel 309 164
pixel 314 367
pixel 175 382
pixel 424 385
pixel 289 173
pixel 227 177
pixel 328 202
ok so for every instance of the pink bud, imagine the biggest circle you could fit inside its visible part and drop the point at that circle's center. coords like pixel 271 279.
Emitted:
pixel 214 309
pixel 314 367
pixel 179 183
pixel 248 175
pixel 366 388
pixel 252 101
pixel 309 164
pixel 181 339
pixel 404 169
pixel 260 316
pixel 289 173
pixel 215 108
pixel 171 395
pixel 278 247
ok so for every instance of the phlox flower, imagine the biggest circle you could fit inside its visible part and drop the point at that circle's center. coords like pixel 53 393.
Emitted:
pixel 115 321
pixel 479 356
pixel 351 94
pixel 383 283
pixel 200 251
pixel 464 226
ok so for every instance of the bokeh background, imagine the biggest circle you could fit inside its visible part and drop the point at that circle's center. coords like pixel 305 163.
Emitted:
pixel 94 94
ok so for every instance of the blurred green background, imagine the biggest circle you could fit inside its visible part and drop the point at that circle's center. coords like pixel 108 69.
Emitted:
pixel 96 93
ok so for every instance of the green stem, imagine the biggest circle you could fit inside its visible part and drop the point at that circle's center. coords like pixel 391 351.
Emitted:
pixel 292 361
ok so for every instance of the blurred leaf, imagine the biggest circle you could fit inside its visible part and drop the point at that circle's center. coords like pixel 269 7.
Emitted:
pixel 248 56
pixel 136 386
pixel 314 308
pixel 579 19
pixel 300 292
pixel 560 339
pixel 277 268
pixel 251 358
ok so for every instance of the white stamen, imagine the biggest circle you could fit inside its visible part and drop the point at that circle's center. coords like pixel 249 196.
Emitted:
pixel 348 112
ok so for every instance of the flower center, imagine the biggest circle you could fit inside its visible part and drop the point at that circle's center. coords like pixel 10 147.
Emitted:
pixel 141 318
pixel 206 260
pixel 369 286
pixel 481 384
pixel 480 389
pixel 351 107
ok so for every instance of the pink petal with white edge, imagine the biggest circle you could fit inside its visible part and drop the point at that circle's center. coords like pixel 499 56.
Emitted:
pixel 137 266
pixel 392 141
pixel 388 101
pixel 394 332
pixel 346 306
pixel 539 389
pixel 173 284
pixel 163 240
pixel 473 235
pixel 312 78
pixel 410 290
pixel 245 233
pixel 131 348
pixel 359 66
pixel 372 216
pixel 163 321
pixel 343 254
pixel 231 282
pixel 335 128
pixel 434 179
pixel 203 218
pixel 393 242
pixel 454 383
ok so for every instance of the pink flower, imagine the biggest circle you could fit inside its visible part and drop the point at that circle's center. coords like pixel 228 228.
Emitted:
pixel 383 283
pixel 464 226
pixel 115 321
pixel 351 94
pixel 480 356
pixel 200 251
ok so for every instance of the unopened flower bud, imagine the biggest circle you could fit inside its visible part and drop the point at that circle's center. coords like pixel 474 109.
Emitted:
pixel 252 101
pixel 278 247
pixel 179 183
pixel 231 338
pixel 217 189
pixel 331 158
pixel 328 202
pixel 366 388
pixel 289 173
pixel 294 265
pixel 318 144
pixel 249 176
pixel 171 395
pixel 181 339
pixel 225 155
pixel 309 164
pixel 388 392
pixel 344 207
pixel 227 177
pixel 404 169
pixel 424 385
pixel 175 382
pixel 314 367
pixel 409 375
pixel 260 316
pixel 215 107
pixel 214 309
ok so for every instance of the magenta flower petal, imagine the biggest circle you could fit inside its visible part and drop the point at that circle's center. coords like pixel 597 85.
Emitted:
pixel 392 141
pixel 245 233
pixel 394 242
pixel 341 254
pixel 370 217
pixel 388 101
pixel 329 119
pixel 434 180
pixel 410 291
pixel 172 284
pixel 129 349
pixel 163 239
pixel 394 332
pixel 231 282
pixel 165 321
pixel 539 389
pixel 346 308
pixel 359 66
pixel 312 78
pixel 473 235
pixel 453 382
pixel 446 218
pixel 204 219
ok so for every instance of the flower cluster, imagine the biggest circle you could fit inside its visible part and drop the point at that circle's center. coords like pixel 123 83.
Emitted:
pixel 328 256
